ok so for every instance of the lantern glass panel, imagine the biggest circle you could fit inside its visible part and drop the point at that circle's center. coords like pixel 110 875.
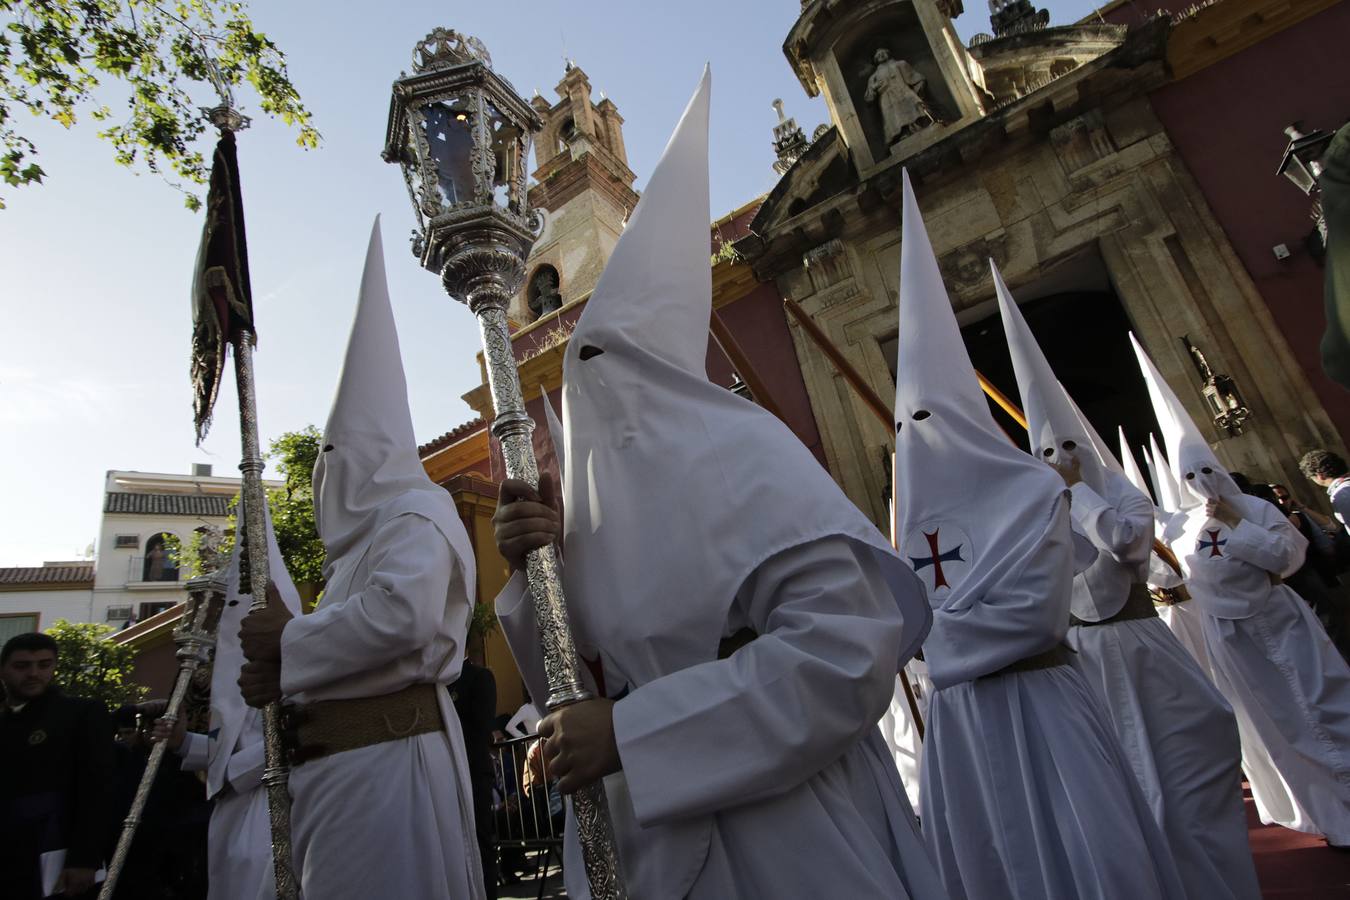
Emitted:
pixel 1299 174
pixel 447 129
pixel 506 143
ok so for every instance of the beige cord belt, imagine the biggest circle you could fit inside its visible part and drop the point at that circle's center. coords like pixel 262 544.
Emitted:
pixel 1138 605
pixel 316 730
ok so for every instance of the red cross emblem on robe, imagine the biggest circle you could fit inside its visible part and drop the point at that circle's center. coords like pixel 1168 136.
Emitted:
pixel 1213 545
pixel 940 554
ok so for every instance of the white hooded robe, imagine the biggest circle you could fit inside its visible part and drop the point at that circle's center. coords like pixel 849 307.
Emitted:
pixel 690 514
pixel 394 819
pixel 1185 619
pixel 1176 729
pixel 1269 655
pixel 1026 792
pixel 239 840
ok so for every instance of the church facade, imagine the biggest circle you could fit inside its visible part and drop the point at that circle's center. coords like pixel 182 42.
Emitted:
pixel 1113 169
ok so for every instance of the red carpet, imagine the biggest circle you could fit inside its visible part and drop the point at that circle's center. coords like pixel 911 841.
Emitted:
pixel 1295 866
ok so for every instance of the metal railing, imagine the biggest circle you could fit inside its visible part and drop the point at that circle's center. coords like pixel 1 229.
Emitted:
pixel 139 573
pixel 527 807
pixel 528 811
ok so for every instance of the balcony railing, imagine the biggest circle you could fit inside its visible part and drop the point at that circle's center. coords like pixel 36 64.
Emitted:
pixel 141 571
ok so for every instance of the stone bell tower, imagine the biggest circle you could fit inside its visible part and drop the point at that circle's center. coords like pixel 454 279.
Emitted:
pixel 585 190
pixel 894 73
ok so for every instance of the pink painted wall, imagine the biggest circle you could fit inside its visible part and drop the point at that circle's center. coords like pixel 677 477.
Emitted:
pixel 1227 123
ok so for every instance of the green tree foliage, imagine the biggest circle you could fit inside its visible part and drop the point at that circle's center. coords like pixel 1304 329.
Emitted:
pixel 292 507
pixel 55 55
pixel 92 666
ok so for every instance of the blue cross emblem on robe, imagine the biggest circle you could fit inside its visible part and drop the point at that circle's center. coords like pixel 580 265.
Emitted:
pixel 1213 544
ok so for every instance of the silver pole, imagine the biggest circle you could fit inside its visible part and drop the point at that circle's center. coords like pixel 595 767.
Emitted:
pixel 485 268
pixel 196 637
pixel 276 772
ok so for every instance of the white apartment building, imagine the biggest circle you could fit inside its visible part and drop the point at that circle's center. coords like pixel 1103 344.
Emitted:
pixel 133 577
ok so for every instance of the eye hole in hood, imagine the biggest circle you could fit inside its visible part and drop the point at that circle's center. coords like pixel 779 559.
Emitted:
pixel 589 351
pixel 921 414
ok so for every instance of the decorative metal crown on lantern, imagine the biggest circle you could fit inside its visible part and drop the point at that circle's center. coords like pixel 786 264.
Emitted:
pixel 445 47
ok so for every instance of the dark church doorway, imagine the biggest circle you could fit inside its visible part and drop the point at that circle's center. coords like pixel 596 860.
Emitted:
pixel 1085 337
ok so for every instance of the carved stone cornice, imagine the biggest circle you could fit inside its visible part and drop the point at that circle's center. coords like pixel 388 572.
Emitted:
pixel 868 205
pixel 570 178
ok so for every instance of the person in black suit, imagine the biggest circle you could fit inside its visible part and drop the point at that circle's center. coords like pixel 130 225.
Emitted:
pixel 56 773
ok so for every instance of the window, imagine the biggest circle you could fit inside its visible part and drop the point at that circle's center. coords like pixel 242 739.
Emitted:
pixel 12 624
pixel 159 564
pixel 127 542
pixel 149 609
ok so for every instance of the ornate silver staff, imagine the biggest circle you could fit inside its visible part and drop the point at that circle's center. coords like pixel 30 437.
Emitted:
pixel 196 640
pixel 462 136
pixel 223 313
pixel 276 771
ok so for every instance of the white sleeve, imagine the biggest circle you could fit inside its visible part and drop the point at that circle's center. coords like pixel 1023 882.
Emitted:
pixel 393 614
pixel 1160 574
pixel 752 726
pixel 1123 531
pixel 194 752
pixel 1268 541
pixel 244 771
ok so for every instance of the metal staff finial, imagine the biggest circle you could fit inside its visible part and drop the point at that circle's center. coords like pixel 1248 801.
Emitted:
pixel 224 116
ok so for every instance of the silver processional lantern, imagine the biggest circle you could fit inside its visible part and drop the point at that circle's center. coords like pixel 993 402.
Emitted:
pixel 461 135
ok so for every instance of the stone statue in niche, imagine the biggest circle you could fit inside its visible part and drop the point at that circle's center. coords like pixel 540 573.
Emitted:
pixel 897 89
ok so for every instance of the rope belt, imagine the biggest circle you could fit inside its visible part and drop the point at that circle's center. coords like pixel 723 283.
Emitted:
pixel 316 730
pixel 1057 655
pixel 1138 605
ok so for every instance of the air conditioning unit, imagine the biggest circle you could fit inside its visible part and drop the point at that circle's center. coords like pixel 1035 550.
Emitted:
pixel 127 542
pixel 119 613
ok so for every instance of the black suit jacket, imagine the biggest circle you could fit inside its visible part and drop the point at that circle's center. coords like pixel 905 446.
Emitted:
pixel 56 778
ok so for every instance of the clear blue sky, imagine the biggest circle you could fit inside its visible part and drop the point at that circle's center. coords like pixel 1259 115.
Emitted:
pixel 95 265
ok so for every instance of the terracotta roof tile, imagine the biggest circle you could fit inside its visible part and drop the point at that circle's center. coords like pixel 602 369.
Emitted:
pixel 213 505
pixel 450 437
pixel 81 574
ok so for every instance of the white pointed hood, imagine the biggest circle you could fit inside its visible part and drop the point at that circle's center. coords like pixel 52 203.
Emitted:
pixel 1130 464
pixel 676 489
pixel 1164 482
pixel 965 495
pixel 1056 430
pixel 368 470
pixel 1198 472
pixel 230 717
pixel 555 431
pixel 1104 453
